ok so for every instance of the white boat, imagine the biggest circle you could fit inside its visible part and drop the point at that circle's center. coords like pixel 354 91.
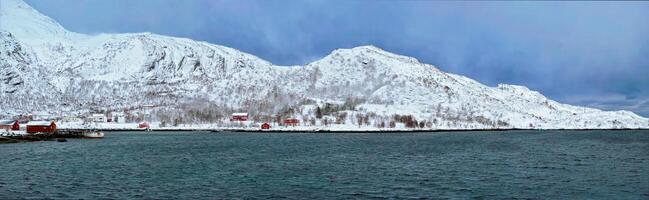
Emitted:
pixel 93 134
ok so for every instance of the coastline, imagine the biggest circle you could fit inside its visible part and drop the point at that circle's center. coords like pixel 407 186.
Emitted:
pixel 336 130
pixel 77 133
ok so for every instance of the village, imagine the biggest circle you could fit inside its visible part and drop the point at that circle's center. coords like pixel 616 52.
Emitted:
pixel 310 116
pixel 42 126
pixel 33 124
pixel 329 118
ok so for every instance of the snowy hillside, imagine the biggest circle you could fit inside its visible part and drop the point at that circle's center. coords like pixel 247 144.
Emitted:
pixel 45 68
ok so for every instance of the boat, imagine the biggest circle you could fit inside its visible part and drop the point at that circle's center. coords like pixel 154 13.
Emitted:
pixel 93 134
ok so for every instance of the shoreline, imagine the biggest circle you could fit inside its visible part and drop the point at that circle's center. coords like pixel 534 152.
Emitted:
pixel 75 133
pixel 336 131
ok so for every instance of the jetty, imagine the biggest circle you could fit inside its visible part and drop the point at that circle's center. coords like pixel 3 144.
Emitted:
pixel 52 136
pixel 8 140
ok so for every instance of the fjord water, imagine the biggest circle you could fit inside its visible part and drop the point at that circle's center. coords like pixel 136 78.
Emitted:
pixel 510 164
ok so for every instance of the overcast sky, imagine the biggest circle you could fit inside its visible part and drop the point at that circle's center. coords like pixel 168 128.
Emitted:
pixel 586 53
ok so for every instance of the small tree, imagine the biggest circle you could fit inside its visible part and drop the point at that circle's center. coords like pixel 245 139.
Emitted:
pixel 177 121
pixel 318 113
pixel 359 118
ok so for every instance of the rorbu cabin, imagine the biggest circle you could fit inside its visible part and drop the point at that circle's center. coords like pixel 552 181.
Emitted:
pixel 41 127
pixel 291 122
pixel 144 125
pixel 9 125
pixel 265 126
pixel 240 117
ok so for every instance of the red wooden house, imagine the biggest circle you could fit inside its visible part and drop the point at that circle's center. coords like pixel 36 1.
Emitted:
pixel 291 122
pixel 9 125
pixel 143 125
pixel 41 127
pixel 265 126
pixel 239 117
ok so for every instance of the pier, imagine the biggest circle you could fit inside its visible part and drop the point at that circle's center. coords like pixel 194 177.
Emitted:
pixel 32 137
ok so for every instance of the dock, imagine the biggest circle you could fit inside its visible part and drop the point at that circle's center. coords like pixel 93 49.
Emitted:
pixel 69 133
pixel 8 140
pixel 58 134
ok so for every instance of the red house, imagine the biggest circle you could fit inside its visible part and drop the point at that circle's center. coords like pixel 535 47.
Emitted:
pixel 143 125
pixel 291 122
pixel 9 125
pixel 239 117
pixel 265 126
pixel 41 127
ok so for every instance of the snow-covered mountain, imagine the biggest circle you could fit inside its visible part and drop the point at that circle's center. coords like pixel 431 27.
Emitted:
pixel 45 68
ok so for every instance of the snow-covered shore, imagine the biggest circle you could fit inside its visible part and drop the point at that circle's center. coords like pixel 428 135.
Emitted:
pixel 275 128
pixel 5 133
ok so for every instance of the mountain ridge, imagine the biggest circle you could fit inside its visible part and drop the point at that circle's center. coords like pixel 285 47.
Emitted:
pixel 116 72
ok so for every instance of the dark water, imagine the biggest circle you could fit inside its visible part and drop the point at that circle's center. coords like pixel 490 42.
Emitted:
pixel 513 164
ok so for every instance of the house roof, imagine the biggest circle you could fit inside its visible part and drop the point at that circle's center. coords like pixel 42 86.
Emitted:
pixel 41 113
pixel 239 114
pixel 39 123
pixel 7 122
pixel 118 114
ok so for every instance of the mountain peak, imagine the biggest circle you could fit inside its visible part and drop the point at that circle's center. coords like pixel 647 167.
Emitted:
pixel 29 25
pixel 362 49
pixel 369 52
pixel 368 47
pixel 12 4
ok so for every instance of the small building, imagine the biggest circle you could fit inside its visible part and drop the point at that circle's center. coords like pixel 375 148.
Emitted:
pixel 265 126
pixel 9 125
pixel 97 118
pixel 72 119
pixel 143 125
pixel 119 117
pixel 291 122
pixel 40 116
pixel 239 117
pixel 41 127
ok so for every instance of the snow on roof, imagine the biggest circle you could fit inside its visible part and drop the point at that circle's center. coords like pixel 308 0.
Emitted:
pixel 40 113
pixel 39 123
pixel 239 114
pixel 98 115
pixel 7 122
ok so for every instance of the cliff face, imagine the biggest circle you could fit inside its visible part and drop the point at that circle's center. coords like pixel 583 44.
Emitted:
pixel 47 68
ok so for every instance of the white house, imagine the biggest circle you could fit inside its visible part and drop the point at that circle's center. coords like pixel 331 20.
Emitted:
pixel 119 117
pixel 97 118
pixel 41 116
